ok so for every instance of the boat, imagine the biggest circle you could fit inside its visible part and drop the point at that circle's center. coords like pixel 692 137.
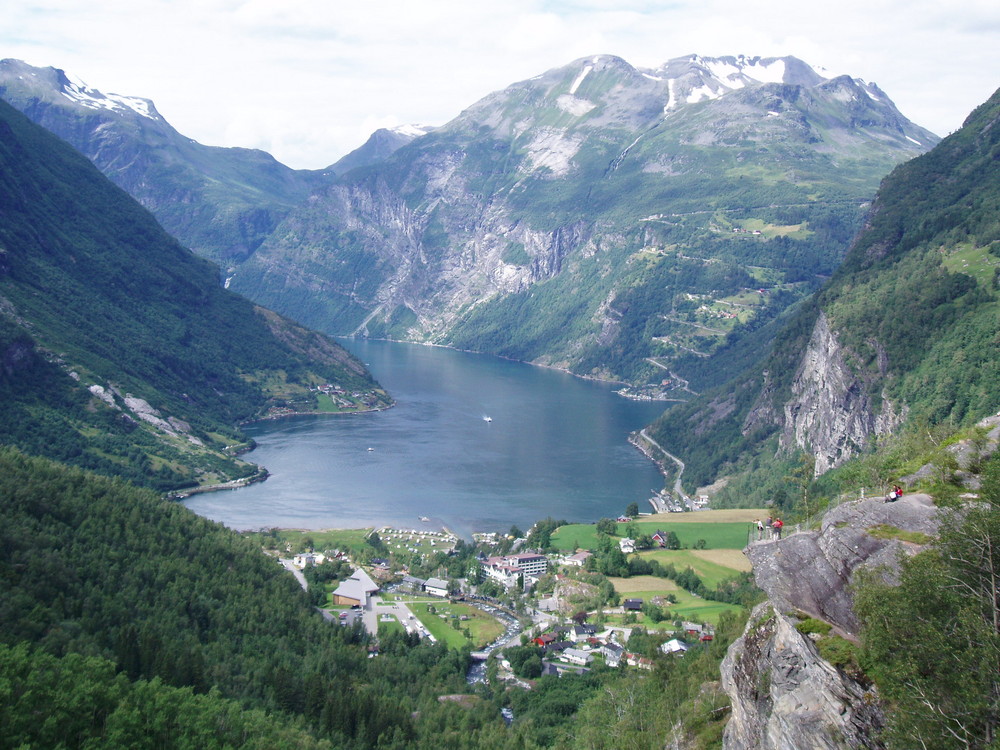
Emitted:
pixel 371 449
pixel 487 419
pixel 425 519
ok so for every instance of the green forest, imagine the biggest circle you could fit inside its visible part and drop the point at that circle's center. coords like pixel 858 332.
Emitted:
pixel 130 617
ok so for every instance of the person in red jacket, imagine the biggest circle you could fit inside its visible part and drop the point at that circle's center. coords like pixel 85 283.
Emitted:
pixel 777 526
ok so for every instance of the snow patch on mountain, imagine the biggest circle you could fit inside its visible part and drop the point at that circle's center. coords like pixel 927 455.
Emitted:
pixel 412 131
pixel 701 93
pixel 77 91
pixel 579 79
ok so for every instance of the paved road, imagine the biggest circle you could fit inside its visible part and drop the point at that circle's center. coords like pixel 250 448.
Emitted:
pixel 399 610
pixel 678 489
pixel 295 572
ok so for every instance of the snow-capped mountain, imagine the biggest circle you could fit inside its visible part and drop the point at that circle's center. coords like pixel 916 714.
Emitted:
pixel 599 216
pixel 221 202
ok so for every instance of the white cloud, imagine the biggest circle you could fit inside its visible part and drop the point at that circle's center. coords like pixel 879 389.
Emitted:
pixel 304 79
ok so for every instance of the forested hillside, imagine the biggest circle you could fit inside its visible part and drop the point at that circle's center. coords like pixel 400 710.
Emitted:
pixel 121 352
pixel 903 335
pixel 125 614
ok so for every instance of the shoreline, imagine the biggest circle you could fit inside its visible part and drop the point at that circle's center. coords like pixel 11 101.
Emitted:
pixel 262 473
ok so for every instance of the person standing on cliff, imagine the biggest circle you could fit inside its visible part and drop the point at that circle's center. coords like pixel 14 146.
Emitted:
pixel 760 529
pixel 777 525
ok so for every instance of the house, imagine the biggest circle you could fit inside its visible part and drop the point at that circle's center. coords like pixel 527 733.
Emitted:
pixel 575 656
pixel 545 639
pixel 436 587
pixel 307 559
pixel 634 660
pixel 356 590
pixel 674 646
pixel 632 605
pixel 412 583
pixel 627 545
pixel 556 647
pixel 612 654
pixel 691 628
pixel 624 519
pixel 660 538
pixel 582 633
pixel 578 559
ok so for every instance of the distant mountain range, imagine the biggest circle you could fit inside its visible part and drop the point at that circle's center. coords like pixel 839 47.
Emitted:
pixel 615 221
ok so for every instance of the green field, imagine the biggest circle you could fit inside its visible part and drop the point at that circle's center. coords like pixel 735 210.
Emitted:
pixel 292 541
pixel 688 607
pixel 711 568
pixel 390 626
pixel 482 628
pixel 731 535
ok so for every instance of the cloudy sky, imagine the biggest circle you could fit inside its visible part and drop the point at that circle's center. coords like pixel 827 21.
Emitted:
pixel 309 80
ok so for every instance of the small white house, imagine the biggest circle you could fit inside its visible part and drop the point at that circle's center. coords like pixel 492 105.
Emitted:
pixel 674 646
pixel 306 559
pixel 436 587
pixel 575 656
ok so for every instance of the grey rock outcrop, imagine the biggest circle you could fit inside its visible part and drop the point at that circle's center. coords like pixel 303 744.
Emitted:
pixel 832 412
pixel 812 571
pixel 785 696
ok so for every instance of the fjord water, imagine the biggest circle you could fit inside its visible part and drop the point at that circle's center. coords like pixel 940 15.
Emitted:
pixel 556 446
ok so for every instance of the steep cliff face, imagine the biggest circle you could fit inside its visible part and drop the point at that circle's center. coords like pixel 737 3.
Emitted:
pixel 783 693
pixel 832 413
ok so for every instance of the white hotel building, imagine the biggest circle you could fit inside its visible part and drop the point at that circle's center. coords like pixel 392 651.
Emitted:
pixel 507 568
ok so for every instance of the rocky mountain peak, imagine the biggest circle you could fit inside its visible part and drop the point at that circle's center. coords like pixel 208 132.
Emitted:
pixel 54 85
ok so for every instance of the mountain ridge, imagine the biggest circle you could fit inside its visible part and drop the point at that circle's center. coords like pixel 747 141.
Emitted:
pixel 121 350
pixel 902 335
pixel 538 205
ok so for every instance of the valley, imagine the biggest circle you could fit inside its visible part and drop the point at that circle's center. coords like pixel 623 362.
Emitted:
pixel 794 287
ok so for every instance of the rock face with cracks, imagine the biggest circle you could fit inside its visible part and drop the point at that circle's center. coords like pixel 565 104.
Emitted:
pixel 784 694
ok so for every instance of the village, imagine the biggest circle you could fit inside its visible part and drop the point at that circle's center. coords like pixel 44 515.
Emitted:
pixel 522 613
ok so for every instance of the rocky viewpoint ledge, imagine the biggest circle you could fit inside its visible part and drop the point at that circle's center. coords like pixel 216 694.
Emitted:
pixel 784 695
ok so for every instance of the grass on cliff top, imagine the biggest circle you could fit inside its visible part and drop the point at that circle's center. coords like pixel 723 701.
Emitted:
pixel 884 531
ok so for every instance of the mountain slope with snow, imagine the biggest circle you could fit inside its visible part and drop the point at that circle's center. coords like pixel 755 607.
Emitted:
pixel 612 220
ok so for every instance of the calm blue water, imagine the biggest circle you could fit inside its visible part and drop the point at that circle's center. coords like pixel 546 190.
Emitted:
pixel 556 446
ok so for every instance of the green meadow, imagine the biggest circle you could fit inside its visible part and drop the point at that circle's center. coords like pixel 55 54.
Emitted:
pixel 732 535
pixel 482 628
pixel 688 606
